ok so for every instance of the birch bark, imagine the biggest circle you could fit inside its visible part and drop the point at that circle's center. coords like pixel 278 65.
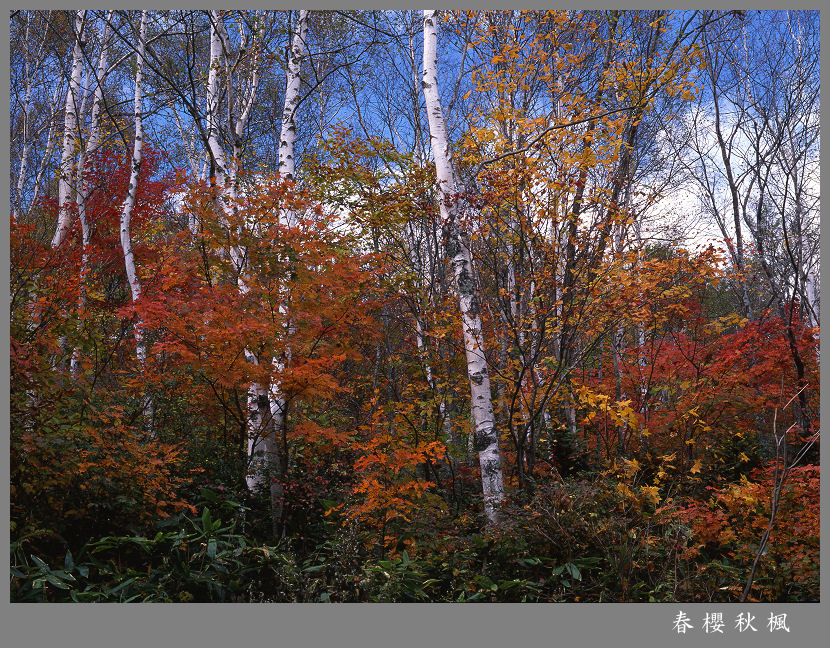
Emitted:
pixel 288 134
pixel 70 125
pixel 82 181
pixel 457 249
pixel 129 201
pixel 263 422
pixel 277 402
pixel 94 131
pixel 259 423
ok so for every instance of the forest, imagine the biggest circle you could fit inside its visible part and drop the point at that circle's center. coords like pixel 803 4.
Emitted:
pixel 414 306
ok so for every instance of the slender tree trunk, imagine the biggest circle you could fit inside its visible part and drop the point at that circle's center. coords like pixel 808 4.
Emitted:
pixel 270 407
pixel 260 435
pixel 458 251
pixel 288 136
pixel 288 133
pixel 70 124
pixel 51 140
pixel 82 181
pixel 27 108
pixel 129 201
pixel 127 211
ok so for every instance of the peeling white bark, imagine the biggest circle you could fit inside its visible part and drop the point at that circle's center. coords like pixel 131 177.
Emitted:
pixel 288 133
pixel 486 440
pixel 82 182
pixel 227 185
pixel 261 426
pixel 277 404
pixel 70 125
pixel 129 201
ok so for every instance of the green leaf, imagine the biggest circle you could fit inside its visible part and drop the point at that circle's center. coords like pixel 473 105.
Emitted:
pixel 313 568
pixel 60 573
pixel 211 549
pixel 207 522
pixel 83 570
pixel 39 562
pixel 68 563
pixel 208 495
pixel 573 571
pixel 56 582
pixel 120 586
pixel 486 583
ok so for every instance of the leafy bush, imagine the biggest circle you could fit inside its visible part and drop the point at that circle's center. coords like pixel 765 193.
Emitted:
pixel 199 559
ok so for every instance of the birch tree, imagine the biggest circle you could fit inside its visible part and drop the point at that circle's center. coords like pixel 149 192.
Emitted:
pixel 266 409
pixel 82 180
pixel 278 405
pixel 458 252
pixel 65 184
pixel 259 427
pixel 129 201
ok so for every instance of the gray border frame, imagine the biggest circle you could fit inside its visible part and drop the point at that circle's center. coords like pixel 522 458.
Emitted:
pixel 318 625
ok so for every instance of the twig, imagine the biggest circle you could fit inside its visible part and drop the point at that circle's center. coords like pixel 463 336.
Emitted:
pixel 778 480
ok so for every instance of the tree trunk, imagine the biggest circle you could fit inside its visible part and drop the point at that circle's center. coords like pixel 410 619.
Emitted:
pixel 127 211
pixel 458 251
pixel 82 182
pixel 70 124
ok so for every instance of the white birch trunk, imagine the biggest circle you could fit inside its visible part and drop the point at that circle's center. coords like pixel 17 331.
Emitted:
pixel 26 109
pixel 129 201
pixel 82 181
pixel 261 429
pixel 255 425
pixel 485 435
pixel 212 101
pixel 227 198
pixel 258 427
pixel 94 131
pixel 127 211
pixel 288 133
pixel 277 404
pixel 70 125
